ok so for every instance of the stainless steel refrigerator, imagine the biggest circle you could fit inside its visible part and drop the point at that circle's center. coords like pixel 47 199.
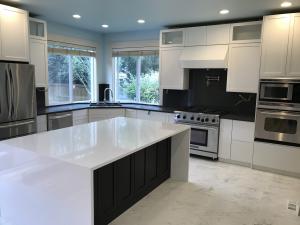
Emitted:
pixel 17 100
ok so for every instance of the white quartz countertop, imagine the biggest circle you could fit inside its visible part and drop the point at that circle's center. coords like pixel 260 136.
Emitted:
pixel 97 144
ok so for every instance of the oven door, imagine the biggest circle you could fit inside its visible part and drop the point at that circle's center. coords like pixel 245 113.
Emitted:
pixel 280 126
pixel 276 92
pixel 204 138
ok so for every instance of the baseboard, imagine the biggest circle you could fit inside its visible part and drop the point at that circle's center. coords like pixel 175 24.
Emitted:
pixel 276 171
pixel 261 168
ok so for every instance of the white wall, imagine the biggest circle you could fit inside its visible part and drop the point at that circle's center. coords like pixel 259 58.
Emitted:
pixel 67 34
pixel 116 39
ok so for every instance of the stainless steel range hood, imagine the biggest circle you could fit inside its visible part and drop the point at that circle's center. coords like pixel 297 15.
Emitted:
pixel 214 56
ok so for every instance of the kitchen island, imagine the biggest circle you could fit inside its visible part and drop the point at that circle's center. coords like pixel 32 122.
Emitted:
pixel 88 174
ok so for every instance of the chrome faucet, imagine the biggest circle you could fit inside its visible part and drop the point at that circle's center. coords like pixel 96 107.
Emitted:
pixel 112 94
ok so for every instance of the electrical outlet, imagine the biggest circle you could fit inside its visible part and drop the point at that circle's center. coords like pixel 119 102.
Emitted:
pixel 293 207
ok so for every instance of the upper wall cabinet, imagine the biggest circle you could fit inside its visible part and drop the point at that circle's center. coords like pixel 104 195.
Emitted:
pixel 245 32
pixel 14 34
pixel 172 38
pixel 275 41
pixel 195 36
pixel 293 65
pixel 243 68
pixel 218 34
pixel 172 75
pixel 38 29
pixel 39 58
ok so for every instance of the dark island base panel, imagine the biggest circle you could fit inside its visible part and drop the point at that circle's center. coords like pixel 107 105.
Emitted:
pixel 119 185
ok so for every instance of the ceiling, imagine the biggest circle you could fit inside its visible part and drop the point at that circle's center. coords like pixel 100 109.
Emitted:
pixel 121 15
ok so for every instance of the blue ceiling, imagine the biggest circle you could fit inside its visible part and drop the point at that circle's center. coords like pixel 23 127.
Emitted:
pixel 121 15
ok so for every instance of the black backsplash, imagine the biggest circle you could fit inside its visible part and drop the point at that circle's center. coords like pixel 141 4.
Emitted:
pixel 211 94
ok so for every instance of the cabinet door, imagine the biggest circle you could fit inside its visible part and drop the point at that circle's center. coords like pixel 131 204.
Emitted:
pixel 225 139
pixel 171 73
pixel 195 36
pixel 163 158
pixel 275 45
pixel 242 151
pixel 172 38
pixel 293 65
pixel 39 58
pixel 151 164
pixel 243 131
pixel 124 181
pixel 131 113
pixel 139 171
pixel 14 34
pixel 243 68
pixel 218 34
pixel 105 197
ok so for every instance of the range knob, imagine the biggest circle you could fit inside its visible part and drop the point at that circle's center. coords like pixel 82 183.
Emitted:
pixel 206 120
pixel 213 120
pixel 184 117
pixel 198 119
pixel 178 116
pixel 202 120
pixel 192 118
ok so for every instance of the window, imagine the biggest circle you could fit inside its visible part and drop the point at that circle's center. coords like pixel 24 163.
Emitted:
pixel 136 76
pixel 71 74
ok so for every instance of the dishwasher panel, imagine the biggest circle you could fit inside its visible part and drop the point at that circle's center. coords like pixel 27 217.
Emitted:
pixel 60 120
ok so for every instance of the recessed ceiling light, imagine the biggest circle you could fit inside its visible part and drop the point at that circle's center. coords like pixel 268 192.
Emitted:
pixel 286 4
pixel 105 25
pixel 76 16
pixel 141 21
pixel 224 11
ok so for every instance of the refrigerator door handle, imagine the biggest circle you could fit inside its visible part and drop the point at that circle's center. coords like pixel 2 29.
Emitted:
pixel 17 124
pixel 9 91
pixel 12 93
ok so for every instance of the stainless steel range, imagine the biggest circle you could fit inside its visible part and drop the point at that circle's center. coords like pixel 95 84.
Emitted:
pixel 204 131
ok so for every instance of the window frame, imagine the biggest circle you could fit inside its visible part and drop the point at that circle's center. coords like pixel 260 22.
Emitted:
pixel 93 71
pixel 114 77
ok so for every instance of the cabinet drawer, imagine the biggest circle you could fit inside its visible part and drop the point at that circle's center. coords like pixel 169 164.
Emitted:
pixel 131 113
pixel 278 157
pixel 110 113
pixel 241 151
pixel 243 131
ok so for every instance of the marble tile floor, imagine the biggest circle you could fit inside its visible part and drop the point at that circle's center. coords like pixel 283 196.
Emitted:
pixel 218 194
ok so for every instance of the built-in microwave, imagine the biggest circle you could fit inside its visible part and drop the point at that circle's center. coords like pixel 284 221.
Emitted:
pixel 280 90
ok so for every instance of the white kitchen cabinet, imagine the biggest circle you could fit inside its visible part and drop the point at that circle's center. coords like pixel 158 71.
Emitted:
pixel 241 151
pixel 242 141
pixel 103 114
pixel 195 36
pixel 41 123
pixel 275 40
pixel 14 34
pixel 172 75
pixel 38 29
pixel 218 34
pixel 247 32
pixel 225 139
pixel 39 58
pixel 243 131
pixel 172 38
pixel 293 65
pixel 80 117
pixel 131 113
pixel 150 115
pixel 243 68
pixel 276 157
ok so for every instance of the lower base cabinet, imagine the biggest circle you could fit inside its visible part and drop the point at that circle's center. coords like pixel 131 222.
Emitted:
pixel 121 184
